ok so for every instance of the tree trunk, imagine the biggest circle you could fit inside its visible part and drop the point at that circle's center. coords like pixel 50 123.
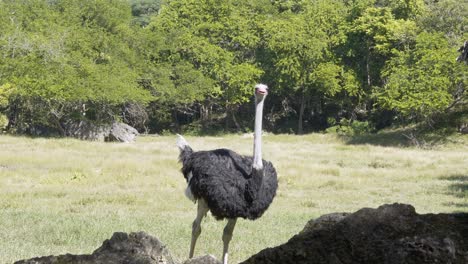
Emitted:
pixel 205 114
pixel 56 121
pixel 230 114
pixel 175 120
pixel 238 126
pixel 369 81
pixel 226 119
pixel 12 115
pixel 300 129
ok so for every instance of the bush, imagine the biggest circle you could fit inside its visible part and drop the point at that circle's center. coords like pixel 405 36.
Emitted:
pixel 3 122
pixel 349 127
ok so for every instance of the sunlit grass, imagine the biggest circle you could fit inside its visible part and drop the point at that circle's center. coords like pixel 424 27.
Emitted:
pixel 65 195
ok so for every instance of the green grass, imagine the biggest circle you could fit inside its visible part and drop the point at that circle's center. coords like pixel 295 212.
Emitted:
pixel 65 195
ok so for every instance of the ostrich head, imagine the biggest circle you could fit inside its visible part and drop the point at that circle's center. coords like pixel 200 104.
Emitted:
pixel 261 91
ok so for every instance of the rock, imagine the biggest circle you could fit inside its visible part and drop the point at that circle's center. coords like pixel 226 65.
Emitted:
pixel 122 248
pixel 390 234
pixel 87 130
pixel 122 132
pixel 464 129
pixel 101 132
pixel 324 221
pixel 207 259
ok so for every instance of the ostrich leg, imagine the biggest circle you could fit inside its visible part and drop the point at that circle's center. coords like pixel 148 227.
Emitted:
pixel 196 226
pixel 227 235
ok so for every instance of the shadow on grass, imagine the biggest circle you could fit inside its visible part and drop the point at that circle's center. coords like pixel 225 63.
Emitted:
pixel 407 137
pixel 386 138
pixel 459 188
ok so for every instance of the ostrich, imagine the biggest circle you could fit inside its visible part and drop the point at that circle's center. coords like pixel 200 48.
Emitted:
pixel 228 184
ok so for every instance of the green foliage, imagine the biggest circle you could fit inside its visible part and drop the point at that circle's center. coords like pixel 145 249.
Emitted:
pixel 169 64
pixel 3 122
pixel 374 25
pixel 68 52
pixel 331 79
pixel 449 17
pixel 212 37
pixel 7 90
pixel 86 61
pixel 403 9
pixel 298 48
pixel 347 127
pixel 142 10
pixel 422 81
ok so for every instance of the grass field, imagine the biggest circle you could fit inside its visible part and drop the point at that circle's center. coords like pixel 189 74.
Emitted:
pixel 65 195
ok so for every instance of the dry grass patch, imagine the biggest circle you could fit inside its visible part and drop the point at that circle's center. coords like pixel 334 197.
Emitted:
pixel 65 195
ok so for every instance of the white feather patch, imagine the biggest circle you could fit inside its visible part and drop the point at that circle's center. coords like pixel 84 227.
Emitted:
pixel 181 142
pixel 188 192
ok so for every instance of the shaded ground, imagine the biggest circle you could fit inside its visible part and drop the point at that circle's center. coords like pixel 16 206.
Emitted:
pixel 459 188
pixel 408 137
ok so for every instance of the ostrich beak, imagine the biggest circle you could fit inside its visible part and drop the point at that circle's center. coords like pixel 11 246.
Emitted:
pixel 261 89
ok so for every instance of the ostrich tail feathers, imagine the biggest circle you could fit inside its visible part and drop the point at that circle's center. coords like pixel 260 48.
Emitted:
pixel 185 149
pixel 181 142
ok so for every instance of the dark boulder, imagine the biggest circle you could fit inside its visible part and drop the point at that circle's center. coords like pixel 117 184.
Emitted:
pixel 390 234
pixel 122 248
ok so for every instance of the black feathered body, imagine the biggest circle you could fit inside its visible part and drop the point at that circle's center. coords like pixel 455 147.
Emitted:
pixel 224 180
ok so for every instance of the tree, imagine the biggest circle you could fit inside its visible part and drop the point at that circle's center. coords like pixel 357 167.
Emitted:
pixel 449 17
pixel 142 10
pixel 60 55
pixel 376 30
pixel 301 50
pixel 403 9
pixel 216 39
pixel 423 80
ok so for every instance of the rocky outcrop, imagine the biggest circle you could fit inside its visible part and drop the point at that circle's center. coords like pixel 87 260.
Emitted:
pixel 390 234
pixel 134 248
pixel 116 131
pixel 122 133
pixel 87 130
